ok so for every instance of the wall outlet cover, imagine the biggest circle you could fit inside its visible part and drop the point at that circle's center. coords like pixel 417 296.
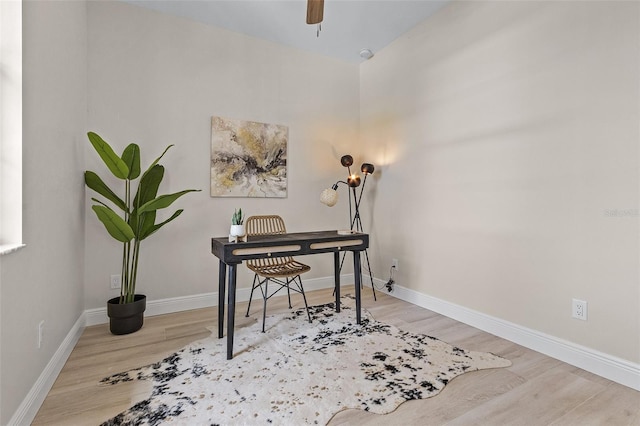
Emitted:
pixel 579 309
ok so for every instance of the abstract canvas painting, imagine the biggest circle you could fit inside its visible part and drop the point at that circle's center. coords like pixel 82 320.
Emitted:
pixel 248 159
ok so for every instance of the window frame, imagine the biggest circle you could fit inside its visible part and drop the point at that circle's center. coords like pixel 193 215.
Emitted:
pixel 10 126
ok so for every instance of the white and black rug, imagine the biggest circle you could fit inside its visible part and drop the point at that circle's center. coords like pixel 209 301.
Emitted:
pixel 297 372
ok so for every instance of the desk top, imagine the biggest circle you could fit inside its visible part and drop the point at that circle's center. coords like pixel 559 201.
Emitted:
pixel 290 244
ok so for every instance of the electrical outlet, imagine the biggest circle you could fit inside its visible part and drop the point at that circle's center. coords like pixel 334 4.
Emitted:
pixel 40 333
pixel 394 264
pixel 579 309
pixel 116 280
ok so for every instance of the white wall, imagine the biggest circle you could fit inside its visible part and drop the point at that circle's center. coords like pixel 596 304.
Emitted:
pixel 509 137
pixel 156 79
pixel 43 281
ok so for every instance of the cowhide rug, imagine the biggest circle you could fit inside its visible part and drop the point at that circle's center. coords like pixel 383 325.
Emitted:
pixel 297 372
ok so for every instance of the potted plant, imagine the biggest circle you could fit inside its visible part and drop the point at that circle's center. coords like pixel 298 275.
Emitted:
pixel 237 231
pixel 135 222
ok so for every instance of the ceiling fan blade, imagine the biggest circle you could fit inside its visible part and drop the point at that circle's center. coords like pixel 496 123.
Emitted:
pixel 315 11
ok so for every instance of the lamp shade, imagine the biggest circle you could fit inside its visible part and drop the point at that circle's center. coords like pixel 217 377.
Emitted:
pixel 367 168
pixel 329 197
pixel 353 181
pixel 346 160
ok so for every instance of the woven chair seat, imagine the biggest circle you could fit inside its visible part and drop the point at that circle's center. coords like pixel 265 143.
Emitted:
pixel 279 267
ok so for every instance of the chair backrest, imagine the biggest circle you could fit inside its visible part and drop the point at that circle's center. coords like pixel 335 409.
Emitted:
pixel 265 225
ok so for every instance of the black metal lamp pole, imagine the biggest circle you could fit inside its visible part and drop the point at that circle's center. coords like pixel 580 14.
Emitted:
pixel 353 181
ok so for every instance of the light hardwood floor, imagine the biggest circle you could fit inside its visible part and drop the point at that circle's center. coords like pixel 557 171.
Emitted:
pixel 535 390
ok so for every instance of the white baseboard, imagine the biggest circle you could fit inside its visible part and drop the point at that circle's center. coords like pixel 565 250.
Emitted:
pixel 610 367
pixel 29 407
pixel 616 369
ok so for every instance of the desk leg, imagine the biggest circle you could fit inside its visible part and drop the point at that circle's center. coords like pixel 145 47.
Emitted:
pixel 336 269
pixel 231 309
pixel 358 276
pixel 222 270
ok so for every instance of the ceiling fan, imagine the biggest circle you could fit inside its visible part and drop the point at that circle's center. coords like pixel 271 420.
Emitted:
pixel 315 12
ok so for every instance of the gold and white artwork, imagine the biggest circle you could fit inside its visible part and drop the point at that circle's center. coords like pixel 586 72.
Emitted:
pixel 248 159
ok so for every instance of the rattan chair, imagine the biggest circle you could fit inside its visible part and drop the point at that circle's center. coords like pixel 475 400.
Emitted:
pixel 283 271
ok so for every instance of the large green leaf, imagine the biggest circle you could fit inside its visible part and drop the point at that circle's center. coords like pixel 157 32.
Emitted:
pixel 163 201
pixel 140 223
pixel 94 182
pixel 154 228
pixel 115 225
pixel 149 184
pixel 131 157
pixel 117 166
pixel 147 190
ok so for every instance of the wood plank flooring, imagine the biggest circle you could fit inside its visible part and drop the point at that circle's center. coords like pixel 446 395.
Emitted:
pixel 535 390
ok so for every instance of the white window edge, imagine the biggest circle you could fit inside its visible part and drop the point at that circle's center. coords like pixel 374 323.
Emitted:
pixel 10 248
pixel 11 126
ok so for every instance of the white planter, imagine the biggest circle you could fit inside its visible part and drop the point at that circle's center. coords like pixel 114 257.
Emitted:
pixel 237 231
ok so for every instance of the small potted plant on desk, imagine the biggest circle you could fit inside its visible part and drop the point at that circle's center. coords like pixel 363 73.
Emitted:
pixel 138 221
pixel 237 231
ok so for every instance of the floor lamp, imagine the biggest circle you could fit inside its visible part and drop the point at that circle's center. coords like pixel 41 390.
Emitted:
pixel 330 198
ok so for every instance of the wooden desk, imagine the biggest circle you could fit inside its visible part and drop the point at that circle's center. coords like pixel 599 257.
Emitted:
pixel 295 244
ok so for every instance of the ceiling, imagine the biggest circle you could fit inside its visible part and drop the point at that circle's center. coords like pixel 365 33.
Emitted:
pixel 348 27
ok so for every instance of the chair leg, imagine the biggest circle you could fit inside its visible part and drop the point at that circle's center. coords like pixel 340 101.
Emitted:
pixel 253 287
pixel 265 297
pixel 289 291
pixel 304 297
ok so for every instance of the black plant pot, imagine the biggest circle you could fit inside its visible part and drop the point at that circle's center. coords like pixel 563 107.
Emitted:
pixel 126 318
